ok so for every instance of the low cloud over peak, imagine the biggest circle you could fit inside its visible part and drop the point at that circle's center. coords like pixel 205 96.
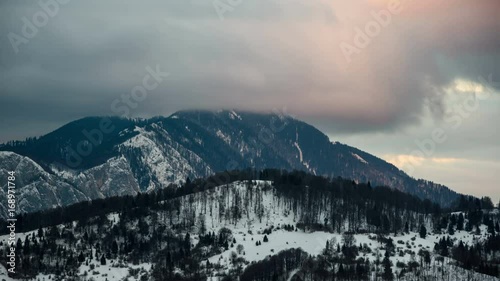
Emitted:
pixel 254 55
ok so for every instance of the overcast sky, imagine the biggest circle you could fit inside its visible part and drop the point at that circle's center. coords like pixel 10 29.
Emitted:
pixel 380 75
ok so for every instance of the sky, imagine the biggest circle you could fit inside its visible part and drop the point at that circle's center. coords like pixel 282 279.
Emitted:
pixel 416 83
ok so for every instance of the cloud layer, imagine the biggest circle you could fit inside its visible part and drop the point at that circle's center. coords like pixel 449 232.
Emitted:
pixel 264 54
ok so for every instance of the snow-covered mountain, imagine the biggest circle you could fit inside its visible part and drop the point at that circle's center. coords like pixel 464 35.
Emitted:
pixel 101 157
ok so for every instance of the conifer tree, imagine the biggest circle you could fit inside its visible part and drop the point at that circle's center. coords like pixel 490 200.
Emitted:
pixel 451 230
pixel 423 232
pixel 460 222
pixel 387 267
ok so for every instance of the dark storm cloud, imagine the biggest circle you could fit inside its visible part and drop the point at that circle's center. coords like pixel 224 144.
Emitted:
pixel 263 55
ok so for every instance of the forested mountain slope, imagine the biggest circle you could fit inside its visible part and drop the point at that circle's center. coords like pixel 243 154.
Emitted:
pixel 100 157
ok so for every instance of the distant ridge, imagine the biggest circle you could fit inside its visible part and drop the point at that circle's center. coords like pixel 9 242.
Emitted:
pixel 97 157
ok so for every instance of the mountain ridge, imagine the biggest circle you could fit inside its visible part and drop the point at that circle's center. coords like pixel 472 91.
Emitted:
pixel 154 153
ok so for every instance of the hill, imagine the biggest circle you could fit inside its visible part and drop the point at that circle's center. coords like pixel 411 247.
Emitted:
pixel 268 225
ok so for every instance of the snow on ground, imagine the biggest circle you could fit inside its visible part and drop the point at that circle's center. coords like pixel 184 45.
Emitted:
pixel 113 271
pixel 301 155
pixel 296 144
pixel 114 218
pixel 64 173
pixel 4 238
pixel 109 272
pixel 226 139
pixel 162 159
pixel 301 158
pixel 248 230
pixel 494 211
pixel 3 274
pixel 314 243
pixel 280 240
pixel 292 274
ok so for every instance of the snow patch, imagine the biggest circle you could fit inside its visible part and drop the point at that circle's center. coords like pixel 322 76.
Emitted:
pixel 359 158
pixel 226 139
pixel 301 157
pixel 233 115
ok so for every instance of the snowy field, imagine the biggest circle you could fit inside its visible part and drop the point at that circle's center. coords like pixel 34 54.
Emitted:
pixel 314 243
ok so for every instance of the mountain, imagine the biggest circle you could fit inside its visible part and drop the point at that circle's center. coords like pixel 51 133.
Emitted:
pixel 99 157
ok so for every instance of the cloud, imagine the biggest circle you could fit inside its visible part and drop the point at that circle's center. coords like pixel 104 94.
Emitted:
pixel 265 54
pixel 446 160
pixel 404 160
pixel 467 176
pixel 465 86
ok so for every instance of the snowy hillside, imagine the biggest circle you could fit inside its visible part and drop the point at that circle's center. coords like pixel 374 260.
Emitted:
pixel 230 230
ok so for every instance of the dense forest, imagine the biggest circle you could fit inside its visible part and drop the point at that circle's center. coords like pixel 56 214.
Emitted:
pixel 288 184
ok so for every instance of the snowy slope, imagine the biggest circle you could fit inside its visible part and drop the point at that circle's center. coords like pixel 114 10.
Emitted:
pixel 251 209
pixel 37 189
pixel 163 161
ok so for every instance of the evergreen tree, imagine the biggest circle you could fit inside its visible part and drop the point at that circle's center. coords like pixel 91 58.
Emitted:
pixel 427 258
pixel 40 233
pixel 491 226
pixel 451 230
pixel 27 247
pixel 453 220
pixel 486 203
pixel 468 227
pixel 187 243
pixel 114 248
pixel 341 272
pixel 387 267
pixel 423 232
pixel 460 222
